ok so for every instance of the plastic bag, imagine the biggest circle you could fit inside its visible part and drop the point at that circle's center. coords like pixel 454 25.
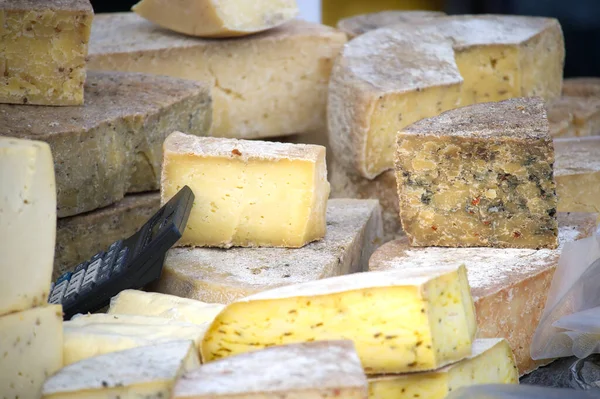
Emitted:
pixel 513 391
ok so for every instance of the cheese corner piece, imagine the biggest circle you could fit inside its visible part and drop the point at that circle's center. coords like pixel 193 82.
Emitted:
pixel 581 87
pixel 359 24
pixel 144 372
pixel 480 175
pixel 491 362
pixel 134 302
pixel 43 45
pixel 218 18
pixel 31 344
pixel 305 370
pixel 248 193
pixel 399 322
pixel 27 217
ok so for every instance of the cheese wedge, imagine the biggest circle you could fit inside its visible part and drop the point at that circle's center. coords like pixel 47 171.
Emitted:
pixel 144 372
pixel 491 362
pixel 307 370
pixel 133 302
pixel 398 321
pixel 363 23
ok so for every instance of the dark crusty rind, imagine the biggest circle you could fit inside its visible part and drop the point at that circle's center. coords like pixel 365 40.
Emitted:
pixel 62 5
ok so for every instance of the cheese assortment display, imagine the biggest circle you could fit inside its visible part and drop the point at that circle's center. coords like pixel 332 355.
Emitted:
pixel 43 46
pixel 359 24
pixel 354 231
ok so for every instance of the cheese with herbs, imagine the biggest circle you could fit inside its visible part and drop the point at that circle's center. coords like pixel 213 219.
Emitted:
pixel 363 23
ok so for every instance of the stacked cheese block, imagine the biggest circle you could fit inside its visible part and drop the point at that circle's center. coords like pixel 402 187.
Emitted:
pixel 577 112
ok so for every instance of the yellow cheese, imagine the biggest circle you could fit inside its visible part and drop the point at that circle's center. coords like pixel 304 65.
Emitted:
pixel 217 18
pixel 248 193
pixel 133 302
pixel 398 321
pixel 492 362
pixel 27 216
pixel 363 23
pixel 43 45
pixel 265 85
pixel 145 372
pixel 30 350
pixel 508 285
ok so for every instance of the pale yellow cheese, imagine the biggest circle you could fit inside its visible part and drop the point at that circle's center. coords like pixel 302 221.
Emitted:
pixel 27 217
pixel 491 362
pixel 247 193
pixel 574 116
pixel 398 321
pixel 43 45
pixel 217 18
pixel 359 24
pixel 581 87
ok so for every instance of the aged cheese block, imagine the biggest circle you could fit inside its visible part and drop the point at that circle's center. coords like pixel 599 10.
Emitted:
pixel 308 370
pixel 144 372
pixel 27 223
pixel 581 87
pixel 269 84
pixel 574 116
pixel 113 144
pixel 248 193
pixel 491 362
pixel 392 77
pixel 560 117
pixel 217 18
pixel 399 321
pixel 222 276
pixel 508 285
pixel 31 344
pixel 480 175
pixel 359 24
pixel 43 45
pixel 134 302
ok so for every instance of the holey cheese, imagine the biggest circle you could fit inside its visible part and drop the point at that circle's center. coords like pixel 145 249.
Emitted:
pixel 312 370
pixel 247 193
pixel 27 223
pixel 392 77
pixel 480 175
pixel 359 24
pixel 265 85
pixel 397 320
pixel 509 286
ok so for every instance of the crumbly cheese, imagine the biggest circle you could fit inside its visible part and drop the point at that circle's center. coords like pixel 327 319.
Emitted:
pixel 363 23
pixel 43 45
pixel 508 285
pixel 222 276
pixel 265 85
pixel 27 217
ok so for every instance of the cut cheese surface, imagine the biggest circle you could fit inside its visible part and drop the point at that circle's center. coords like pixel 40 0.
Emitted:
pixel 31 344
pixel 248 193
pixel 27 215
pixel 306 370
pixel 144 372
pixel 222 276
pixel 43 45
pixel 359 24
pixel 265 85
pixel 406 332
pixel 133 302
pixel 217 18
pixel 508 285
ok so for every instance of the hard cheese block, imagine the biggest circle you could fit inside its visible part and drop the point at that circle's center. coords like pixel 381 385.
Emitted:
pixel 217 18
pixel 31 346
pixel 27 216
pixel 222 276
pixel 574 116
pixel 113 144
pixel 480 175
pixel 248 193
pixel 134 302
pixel 144 372
pixel 266 85
pixel 359 24
pixel 581 87
pixel 308 370
pixel 397 320
pixel 392 77
pixel 491 362
pixel 43 45
pixel 508 285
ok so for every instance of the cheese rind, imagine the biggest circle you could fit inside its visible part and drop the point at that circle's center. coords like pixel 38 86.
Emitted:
pixel 574 116
pixel 359 24
pixel 27 215
pixel 581 87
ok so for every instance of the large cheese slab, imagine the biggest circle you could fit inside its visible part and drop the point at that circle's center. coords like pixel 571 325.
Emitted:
pixel 391 77
pixel 113 144
pixel 43 45
pixel 222 276
pixel 363 23
pixel 508 285
pixel 269 84
pixel 27 223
